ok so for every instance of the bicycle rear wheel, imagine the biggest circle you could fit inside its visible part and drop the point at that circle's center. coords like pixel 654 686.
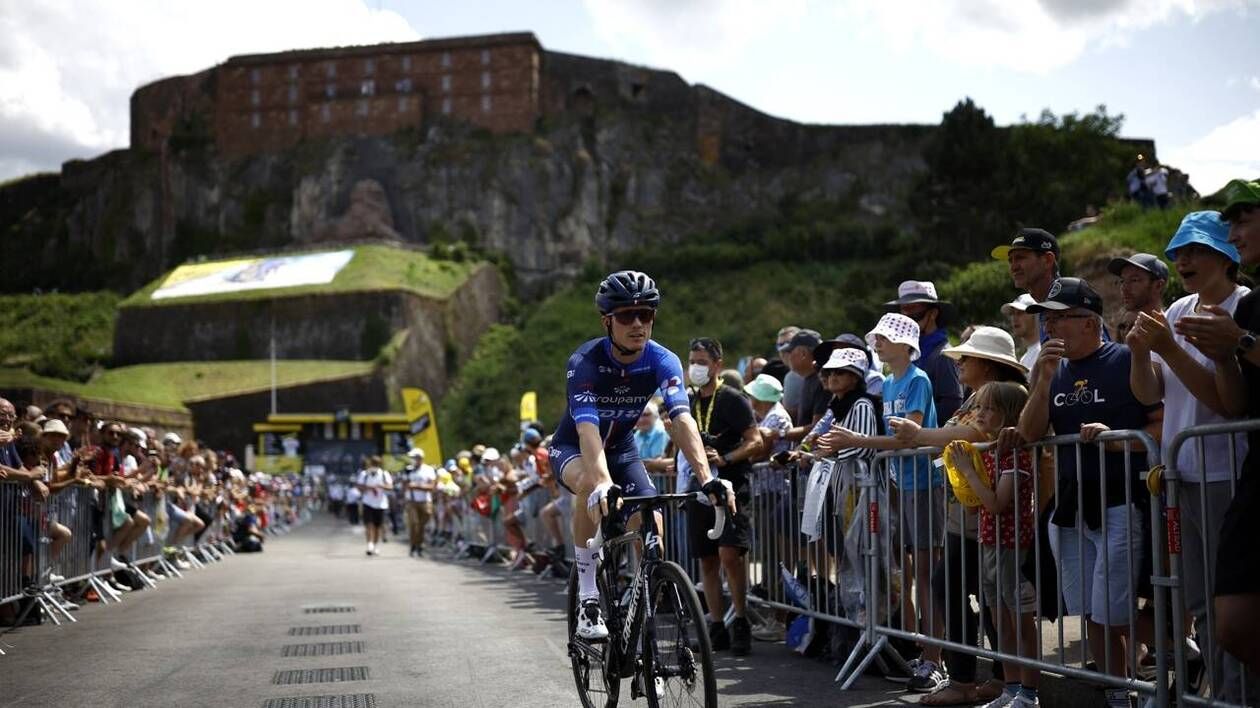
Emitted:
pixel 677 657
pixel 591 671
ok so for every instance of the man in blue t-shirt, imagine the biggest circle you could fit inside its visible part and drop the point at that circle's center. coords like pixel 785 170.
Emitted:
pixel 1082 386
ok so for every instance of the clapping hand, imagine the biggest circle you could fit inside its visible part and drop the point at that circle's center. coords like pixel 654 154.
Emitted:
pixel 1215 334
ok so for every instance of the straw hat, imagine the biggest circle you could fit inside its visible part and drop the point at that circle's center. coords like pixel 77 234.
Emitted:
pixel 990 343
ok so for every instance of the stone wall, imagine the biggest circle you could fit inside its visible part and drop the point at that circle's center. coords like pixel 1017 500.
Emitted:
pixel 225 423
pixel 270 102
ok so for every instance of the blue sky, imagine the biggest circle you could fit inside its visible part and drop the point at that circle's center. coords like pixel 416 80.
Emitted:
pixel 1183 72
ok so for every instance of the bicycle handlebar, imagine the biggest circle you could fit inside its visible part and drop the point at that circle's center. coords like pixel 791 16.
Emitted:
pixel 658 500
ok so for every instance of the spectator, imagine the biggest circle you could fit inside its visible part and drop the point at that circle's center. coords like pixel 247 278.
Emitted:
pixel 773 421
pixel 791 379
pixel 1033 261
pixel 728 430
pixel 1136 183
pixel 1024 327
pixel 1231 344
pixel 420 481
pixel 247 534
pixel 917 300
pixel 32 414
pixel 651 440
pixel 755 365
pixel 1156 179
pixel 874 377
pixel 1007 522
pixel 8 420
pixel 1082 388
pixel 1142 278
pixel 375 483
pixel 812 399
pixel 920 489
pixel 354 501
pixel 1166 368
pixel 987 356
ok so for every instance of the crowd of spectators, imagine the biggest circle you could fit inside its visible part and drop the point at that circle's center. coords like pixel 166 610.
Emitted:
pixel 1056 367
pixel 145 505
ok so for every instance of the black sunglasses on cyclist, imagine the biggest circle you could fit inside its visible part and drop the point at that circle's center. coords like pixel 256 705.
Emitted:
pixel 627 317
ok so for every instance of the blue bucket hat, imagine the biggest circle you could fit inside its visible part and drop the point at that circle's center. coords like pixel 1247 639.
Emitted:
pixel 1206 228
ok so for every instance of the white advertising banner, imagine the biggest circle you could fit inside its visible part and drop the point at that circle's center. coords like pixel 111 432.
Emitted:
pixel 253 274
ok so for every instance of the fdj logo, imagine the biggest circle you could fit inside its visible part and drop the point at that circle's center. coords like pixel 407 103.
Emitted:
pixel 1082 394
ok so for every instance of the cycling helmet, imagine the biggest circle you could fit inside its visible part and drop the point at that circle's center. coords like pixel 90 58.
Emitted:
pixel 626 287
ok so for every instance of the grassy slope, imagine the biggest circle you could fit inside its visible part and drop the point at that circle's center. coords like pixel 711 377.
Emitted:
pixel 57 334
pixel 169 385
pixel 372 268
pixel 982 287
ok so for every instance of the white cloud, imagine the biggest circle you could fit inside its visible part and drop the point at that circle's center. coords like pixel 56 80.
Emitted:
pixel 1254 82
pixel 1227 151
pixel 689 36
pixel 1034 36
pixel 68 67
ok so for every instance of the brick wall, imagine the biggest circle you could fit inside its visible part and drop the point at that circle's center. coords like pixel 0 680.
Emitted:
pixel 266 102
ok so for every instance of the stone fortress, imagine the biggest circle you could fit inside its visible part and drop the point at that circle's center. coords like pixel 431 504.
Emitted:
pixel 259 102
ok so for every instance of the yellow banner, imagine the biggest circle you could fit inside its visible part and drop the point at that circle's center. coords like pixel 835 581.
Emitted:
pixel 278 464
pixel 529 406
pixel 423 424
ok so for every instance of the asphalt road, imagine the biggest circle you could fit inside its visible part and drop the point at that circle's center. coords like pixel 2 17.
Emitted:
pixel 430 632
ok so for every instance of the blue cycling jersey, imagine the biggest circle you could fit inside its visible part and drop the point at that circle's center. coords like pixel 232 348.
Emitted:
pixel 612 395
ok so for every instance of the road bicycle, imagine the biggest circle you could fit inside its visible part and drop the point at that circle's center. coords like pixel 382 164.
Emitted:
pixel 657 634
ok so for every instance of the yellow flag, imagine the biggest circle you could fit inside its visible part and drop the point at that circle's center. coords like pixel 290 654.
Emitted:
pixel 529 406
pixel 424 431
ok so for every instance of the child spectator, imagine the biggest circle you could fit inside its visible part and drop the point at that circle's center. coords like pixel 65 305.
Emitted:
pixel 1007 520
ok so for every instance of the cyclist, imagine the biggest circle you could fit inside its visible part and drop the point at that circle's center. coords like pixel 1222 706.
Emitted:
pixel 610 380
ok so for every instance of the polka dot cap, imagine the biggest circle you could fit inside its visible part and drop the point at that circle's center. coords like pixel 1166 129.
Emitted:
pixel 897 329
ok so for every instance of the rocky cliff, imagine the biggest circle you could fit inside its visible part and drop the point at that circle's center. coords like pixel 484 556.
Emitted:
pixel 622 157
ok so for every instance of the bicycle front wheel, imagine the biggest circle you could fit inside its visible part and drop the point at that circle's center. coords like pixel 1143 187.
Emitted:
pixel 678 659
pixel 597 684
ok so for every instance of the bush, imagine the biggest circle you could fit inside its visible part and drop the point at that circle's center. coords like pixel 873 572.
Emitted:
pixel 58 335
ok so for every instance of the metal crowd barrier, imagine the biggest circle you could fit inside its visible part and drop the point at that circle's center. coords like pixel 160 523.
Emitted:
pixel 1193 513
pixel 928 628
pixel 34 567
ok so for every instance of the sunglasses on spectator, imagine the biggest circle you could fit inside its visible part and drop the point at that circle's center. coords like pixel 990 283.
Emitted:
pixel 627 317
pixel 7 422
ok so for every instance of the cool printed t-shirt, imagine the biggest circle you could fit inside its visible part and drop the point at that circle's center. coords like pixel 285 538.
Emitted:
pixel 1095 389
pixel 376 477
pixel 903 395
pixel 1182 410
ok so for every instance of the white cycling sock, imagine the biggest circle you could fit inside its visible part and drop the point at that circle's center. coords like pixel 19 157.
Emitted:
pixel 584 558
